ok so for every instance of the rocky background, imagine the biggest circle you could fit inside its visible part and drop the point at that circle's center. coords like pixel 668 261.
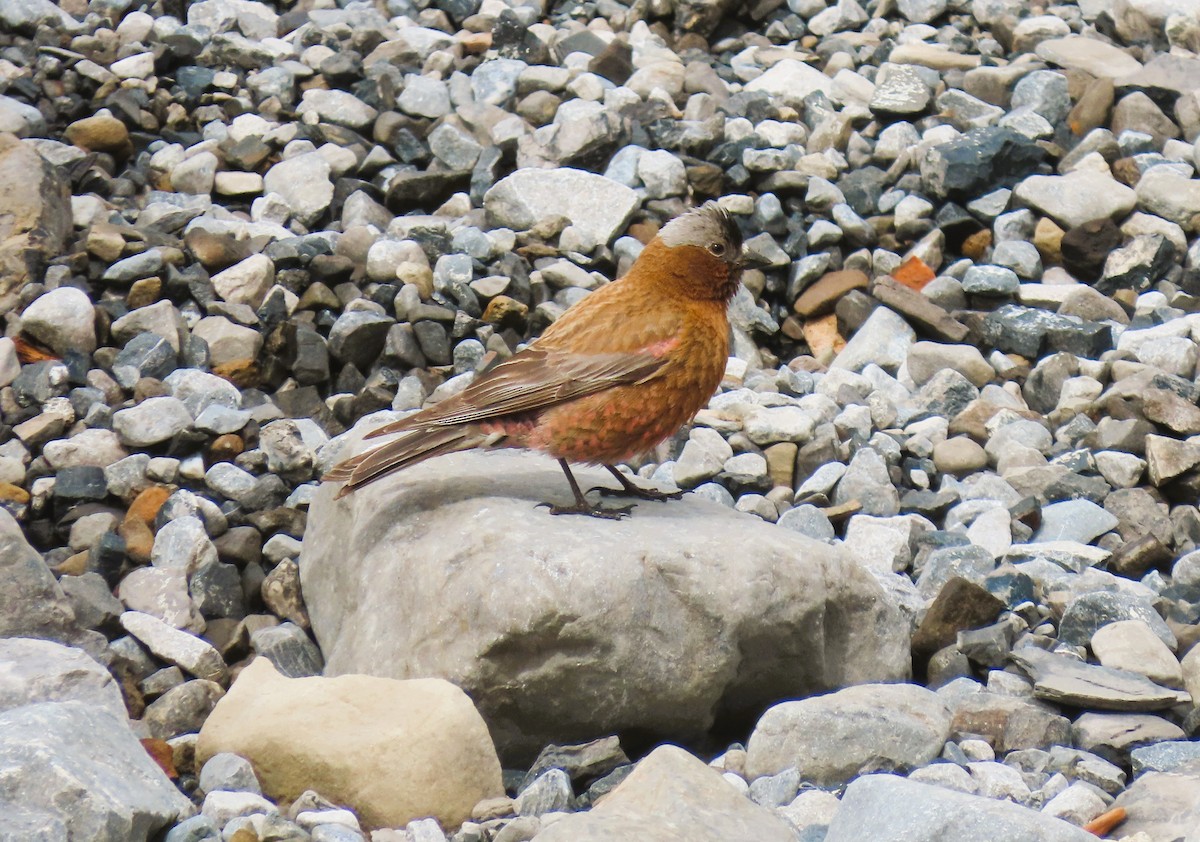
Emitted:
pixel 938 575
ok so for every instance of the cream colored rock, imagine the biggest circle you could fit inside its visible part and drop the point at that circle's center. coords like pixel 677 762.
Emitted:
pixel 392 751
pixel 671 796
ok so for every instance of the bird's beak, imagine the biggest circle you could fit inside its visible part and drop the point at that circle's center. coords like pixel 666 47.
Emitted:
pixel 750 260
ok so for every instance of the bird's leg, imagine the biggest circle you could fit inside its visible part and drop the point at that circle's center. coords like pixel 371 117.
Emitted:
pixel 582 506
pixel 631 489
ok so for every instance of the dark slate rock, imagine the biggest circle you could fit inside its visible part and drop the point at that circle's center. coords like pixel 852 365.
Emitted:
pixel 409 191
pixel 146 355
pixel 1088 612
pixel 1145 260
pixel 83 482
pixel 1028 330
pixel 979 162
pixel 289 649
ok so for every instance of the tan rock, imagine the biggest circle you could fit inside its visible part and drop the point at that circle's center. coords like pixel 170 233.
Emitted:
pixel 1132 645
pixel 392 751
pixel 100 133
pixel 37 213
pixel 671 796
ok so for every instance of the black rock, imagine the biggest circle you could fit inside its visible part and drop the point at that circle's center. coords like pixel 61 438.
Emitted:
pixel 289 649
pixel 418 190
pixel 434 342
pixel 1145 260
pixel 216 589
pixel 106 557
pixel 1027 330
pixel 862 189
pixel 979 162
pixel 80 483
pixel 1089 611
pixel 614 62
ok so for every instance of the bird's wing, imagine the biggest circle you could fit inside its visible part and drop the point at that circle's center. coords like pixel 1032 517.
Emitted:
pixel 537 378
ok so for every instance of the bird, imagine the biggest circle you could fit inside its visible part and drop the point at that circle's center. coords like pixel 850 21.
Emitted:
pixel 616 374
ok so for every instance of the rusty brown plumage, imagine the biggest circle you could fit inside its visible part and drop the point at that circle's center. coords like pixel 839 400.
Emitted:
pixel 618 373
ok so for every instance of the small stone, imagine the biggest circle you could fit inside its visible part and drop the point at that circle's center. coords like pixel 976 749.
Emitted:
pixel 62 319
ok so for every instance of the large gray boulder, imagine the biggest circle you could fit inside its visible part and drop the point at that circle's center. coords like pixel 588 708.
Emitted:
pixel 70 770
pixel 570 628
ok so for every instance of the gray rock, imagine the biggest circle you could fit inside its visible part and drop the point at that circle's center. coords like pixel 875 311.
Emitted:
pixel 225 771
pixel 832 738
pixel 198 390
pixel 35 671
pixel 152 421
pixel 92 600
pixel 1077 52
pixel 160 318
pixel 886 808
pixel 671 795
pixel 228 342
pixel 598 206
pixel 178 647
pixel 1089 611
pixel 31 602
pixel 900 91
pixel 424 96
pixel 162 592
pixel 922 11
pixel 1077 197
pixel 867 481
pixel 1166 756
pixel 95 448
pixel 78 771
pixel 1163 805
pixel 550 792
pixel 63 319
pixel 1062 679
pixel 182 709
pixel 183 544
pixel 1165 193
pixel 289 649
pixel 991 280
pixel 884 339
pixel 338 107
pixel 304 183
pixel 1074 520
pixel 676 701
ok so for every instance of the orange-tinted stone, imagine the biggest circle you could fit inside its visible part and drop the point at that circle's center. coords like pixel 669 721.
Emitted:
pixel 914 274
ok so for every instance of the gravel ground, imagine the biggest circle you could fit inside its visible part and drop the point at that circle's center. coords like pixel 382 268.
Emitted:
pixel 967 375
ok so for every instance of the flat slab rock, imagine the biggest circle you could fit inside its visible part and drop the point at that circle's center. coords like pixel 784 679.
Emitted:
pixel 886 808
pixel 1066 681
pixel 570 628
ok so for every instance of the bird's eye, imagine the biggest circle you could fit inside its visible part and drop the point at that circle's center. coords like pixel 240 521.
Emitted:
pixel 717 248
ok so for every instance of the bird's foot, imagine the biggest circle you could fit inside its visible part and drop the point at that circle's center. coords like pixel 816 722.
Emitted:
pixel 585 508
pixel 631 490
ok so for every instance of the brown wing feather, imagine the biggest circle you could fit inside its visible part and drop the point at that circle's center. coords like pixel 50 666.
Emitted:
pixel 535 378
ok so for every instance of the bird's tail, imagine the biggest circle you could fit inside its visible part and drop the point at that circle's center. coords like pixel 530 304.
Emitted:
pixel 404 452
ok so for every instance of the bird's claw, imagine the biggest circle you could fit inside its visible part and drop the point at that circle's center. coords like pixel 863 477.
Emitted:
pixel 614 513
pixel 631 490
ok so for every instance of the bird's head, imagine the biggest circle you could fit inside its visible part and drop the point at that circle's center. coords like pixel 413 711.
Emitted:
pixel 705 246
